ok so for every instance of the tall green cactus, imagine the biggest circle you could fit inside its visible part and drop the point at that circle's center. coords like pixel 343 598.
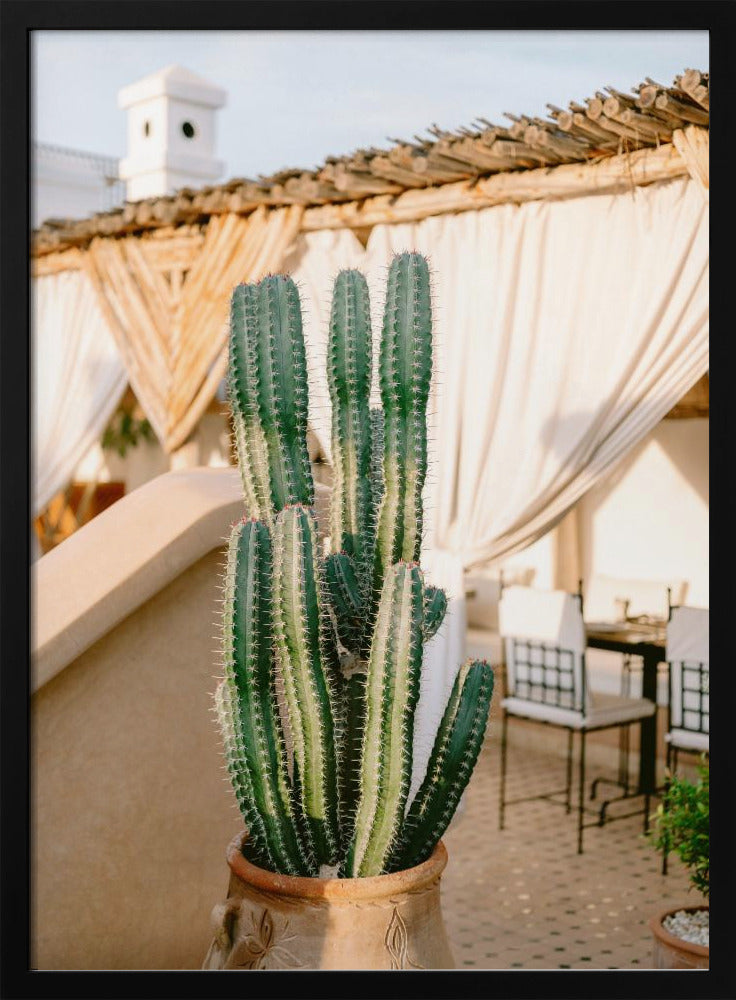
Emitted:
pixel 343 631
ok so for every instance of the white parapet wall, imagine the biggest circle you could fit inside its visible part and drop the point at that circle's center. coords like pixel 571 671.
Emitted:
pixel 132 809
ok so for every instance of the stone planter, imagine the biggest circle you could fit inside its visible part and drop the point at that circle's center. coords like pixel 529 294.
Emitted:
pixel 671 952
pixel 272 921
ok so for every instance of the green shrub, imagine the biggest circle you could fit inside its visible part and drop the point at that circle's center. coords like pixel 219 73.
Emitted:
pixel 682 825
pixel 126 430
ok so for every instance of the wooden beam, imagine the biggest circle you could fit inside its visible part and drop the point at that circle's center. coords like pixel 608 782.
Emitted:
pixel 695 402
pixel 614 173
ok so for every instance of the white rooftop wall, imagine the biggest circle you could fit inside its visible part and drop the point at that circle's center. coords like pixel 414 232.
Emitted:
pixel 71 184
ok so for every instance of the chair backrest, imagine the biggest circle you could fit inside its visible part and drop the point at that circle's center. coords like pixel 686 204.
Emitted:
pixel 607 596
pixel 688 657
pixel 544 645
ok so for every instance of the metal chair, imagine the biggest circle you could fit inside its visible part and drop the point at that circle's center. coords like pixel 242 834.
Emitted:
pixel 611 599
pixel 545 681
pixel 688 713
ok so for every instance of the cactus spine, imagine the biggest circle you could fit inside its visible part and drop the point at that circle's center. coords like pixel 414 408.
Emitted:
pixel 345 632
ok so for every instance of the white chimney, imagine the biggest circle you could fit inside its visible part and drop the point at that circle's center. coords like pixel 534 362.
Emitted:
pixel 171 133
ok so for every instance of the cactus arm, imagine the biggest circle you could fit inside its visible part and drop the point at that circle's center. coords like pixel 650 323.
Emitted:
pixel 256 747
pixel 435 606
pixel 455 752
pixel 392 690
pixel 242 379
pixel 349 381
pixel 282 390
pixel 311 698
pixel 239 777
pixel 267 387
pixel 405 366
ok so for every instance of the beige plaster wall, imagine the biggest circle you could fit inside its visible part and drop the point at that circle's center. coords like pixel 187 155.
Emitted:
pixel 648 520
pixel 131 810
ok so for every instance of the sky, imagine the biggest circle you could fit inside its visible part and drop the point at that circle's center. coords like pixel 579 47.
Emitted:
pixel 296 97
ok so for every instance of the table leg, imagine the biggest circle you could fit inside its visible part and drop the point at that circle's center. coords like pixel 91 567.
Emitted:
pixel 648 727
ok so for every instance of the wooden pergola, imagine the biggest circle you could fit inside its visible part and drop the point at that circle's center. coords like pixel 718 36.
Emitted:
pixel 163 268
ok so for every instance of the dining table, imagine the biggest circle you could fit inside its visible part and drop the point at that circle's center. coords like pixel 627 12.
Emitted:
pixel 645 638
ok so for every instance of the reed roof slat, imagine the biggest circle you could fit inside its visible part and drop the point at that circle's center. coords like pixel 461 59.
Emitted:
pixel 605 124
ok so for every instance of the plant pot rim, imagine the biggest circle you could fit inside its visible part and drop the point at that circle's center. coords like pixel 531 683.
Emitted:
pixel 349 889
pixel 671 940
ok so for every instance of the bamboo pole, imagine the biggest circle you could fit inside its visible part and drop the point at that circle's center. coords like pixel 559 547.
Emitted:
pixel 196 312
pixel 135 365
pixel 693 145
pixel 261 248
pixel 134 314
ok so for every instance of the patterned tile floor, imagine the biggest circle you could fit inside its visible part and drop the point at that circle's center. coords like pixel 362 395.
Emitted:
pixel 522 898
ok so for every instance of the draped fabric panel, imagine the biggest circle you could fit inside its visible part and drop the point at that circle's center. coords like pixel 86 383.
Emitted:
pixel 167 301
pixel 78 379
pixel 565 332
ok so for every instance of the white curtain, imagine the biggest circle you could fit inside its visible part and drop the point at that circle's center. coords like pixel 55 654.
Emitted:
pixel 565 331
pixel 78 379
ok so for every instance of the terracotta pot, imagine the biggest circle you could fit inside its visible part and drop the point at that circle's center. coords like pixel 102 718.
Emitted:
pixel 272 921
pixel 671 952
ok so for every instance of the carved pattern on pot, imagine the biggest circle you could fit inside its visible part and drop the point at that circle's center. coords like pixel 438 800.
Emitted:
pixel 397 942
pixel 262 949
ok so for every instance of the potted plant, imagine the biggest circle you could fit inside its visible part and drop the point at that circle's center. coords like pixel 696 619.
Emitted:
pixel 682 826
pixel 323 653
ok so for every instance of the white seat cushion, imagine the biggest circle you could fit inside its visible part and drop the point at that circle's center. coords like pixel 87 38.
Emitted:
pixel 683 739
pixel 610 710
pixel 607 710
pixel 543 713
